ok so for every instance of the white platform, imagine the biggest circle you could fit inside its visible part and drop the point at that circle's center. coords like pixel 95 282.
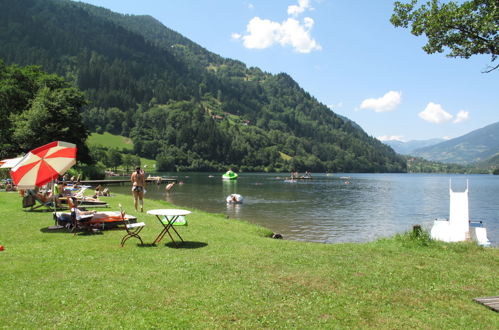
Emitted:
pixel 457 228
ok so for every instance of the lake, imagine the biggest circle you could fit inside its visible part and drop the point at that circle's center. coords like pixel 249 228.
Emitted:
pixel 334 208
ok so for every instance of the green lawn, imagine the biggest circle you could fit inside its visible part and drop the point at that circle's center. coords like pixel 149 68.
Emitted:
pixel 230 275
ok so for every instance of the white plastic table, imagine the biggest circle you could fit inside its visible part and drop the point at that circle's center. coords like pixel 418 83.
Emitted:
pixel 171 215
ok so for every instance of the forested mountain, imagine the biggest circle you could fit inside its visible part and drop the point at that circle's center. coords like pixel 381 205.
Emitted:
pixel 476 146
pixel 181 104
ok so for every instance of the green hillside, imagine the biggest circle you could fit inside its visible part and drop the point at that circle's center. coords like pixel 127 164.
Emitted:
pixel 476 146
pixel 109 140
pixel 180 104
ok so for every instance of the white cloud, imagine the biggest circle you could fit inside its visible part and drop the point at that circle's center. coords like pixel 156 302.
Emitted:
pixel 391 138
pixel 434 113
pixel 263 33
pixel 335 106
pixel 308 23
pixel 295 10
pixel 387 102
pixel 461 116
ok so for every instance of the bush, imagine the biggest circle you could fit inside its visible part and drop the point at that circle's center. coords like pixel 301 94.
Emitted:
pixel 417 236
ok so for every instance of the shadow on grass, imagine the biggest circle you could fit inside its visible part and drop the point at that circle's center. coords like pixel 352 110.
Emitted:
pixel 46 210
pixel 145 245
pixel 186 245
pixel 65 230
pixel 55 230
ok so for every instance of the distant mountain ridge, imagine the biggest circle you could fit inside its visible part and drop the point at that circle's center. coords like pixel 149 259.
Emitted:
pixel 476 146
pixel 407 148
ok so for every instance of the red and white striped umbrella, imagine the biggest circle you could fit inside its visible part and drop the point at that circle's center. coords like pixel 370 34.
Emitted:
pixel 9 163
pixel 44 164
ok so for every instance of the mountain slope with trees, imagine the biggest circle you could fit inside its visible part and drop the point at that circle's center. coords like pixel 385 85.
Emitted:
pixel 182 105
pixel 476 146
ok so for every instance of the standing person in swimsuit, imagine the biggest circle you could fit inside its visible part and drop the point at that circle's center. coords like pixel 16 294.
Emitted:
pixel 138 184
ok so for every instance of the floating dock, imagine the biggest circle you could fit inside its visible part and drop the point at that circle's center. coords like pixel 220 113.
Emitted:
pixel 122 181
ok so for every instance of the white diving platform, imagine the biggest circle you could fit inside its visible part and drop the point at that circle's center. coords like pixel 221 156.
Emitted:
pixel 458 227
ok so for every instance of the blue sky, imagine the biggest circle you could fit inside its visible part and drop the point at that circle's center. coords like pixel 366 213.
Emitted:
pixel 344 53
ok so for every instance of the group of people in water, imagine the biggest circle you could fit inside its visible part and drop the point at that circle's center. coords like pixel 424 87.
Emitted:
pixel 296 175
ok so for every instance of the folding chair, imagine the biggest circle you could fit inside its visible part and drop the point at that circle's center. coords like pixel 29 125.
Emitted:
pixel 132 229
pixel 78 222
pixel 31 199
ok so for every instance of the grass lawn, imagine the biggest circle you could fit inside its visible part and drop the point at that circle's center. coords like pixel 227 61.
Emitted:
pixel 230 275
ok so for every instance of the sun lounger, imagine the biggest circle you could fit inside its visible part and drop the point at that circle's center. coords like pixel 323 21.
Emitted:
pixel 78 220
pixel 34 202
pixel 85 201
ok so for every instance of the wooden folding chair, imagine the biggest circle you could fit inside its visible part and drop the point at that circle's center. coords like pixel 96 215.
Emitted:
pixel 78 224
pixel 34 202
pixel 132 229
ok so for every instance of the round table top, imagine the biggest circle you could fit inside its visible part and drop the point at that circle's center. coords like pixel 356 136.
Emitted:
pixel 168 212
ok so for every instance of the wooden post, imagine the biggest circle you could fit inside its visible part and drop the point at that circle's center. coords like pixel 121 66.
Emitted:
pixel 416 229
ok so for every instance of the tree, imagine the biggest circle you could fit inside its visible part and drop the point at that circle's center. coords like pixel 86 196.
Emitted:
pixel 38 108
pixel 467 29
pixel 129 161
pixel 113 159
pixel 165 162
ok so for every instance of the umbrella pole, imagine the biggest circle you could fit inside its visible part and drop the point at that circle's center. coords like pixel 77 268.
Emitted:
pixel 55 198
pixel 53 201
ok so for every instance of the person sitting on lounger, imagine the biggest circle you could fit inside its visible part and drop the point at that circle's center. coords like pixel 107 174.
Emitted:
pixel 98 191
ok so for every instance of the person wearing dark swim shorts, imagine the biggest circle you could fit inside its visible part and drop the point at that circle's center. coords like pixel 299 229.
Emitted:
pixel 138 186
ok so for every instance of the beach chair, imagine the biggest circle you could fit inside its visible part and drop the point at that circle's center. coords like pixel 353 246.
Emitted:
pixel 132 229
pixel 33 201
pixel 92 202
pixel 88 201
pixel 79 222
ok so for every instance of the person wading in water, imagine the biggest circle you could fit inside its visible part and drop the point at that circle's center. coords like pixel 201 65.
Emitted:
pixel 138 186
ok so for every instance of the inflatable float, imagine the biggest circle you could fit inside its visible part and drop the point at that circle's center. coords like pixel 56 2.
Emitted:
pixel 234 199
pixel 230 175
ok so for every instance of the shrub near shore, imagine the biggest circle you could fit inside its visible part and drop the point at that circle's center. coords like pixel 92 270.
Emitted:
pixel 230 274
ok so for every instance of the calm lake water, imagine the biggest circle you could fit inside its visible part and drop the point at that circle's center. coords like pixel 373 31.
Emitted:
pixel 332 209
